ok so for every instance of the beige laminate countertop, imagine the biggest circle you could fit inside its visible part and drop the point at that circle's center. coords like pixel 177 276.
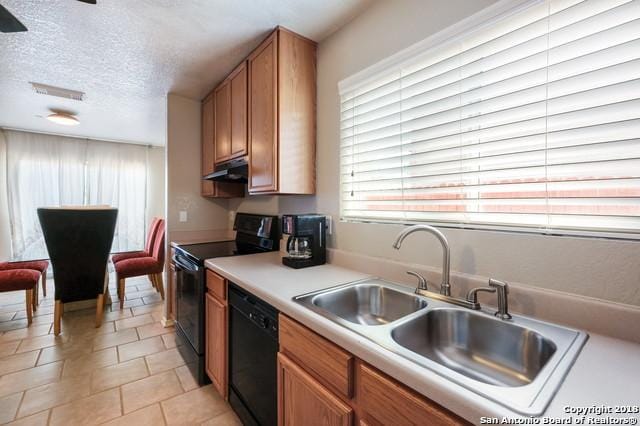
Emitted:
pixel 607 371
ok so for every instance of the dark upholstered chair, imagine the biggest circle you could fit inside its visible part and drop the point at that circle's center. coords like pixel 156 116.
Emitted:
pixel 36 265
pixel 78 241
pixel 148 247
pixel 151 265
pixel 21 279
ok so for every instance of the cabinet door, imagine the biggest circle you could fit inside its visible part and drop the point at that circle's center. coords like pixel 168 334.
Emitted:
pixel 216 343
pixel 207 188
pixel 207 135
pixel 223 122
pixel 304 401
pixel 263 141
pixel 239 111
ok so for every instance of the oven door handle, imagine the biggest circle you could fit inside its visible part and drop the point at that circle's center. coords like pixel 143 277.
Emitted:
pixel 183 264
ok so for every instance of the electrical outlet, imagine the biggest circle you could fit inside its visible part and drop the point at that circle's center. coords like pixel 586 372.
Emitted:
pixel 329 224
pixel 183 216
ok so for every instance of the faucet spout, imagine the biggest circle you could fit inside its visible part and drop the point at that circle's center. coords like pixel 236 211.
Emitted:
pixel 445 287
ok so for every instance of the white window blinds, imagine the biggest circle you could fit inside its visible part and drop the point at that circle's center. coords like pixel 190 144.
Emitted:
pixel 532 121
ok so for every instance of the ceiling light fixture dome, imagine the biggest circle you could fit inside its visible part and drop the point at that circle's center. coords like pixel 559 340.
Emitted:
pixel 63 118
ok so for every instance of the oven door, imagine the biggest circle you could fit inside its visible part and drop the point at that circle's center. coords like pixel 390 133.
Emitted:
pixel 190 290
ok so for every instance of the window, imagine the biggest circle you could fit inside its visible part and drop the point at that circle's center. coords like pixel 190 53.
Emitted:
pixel 47 170
pixel 530 120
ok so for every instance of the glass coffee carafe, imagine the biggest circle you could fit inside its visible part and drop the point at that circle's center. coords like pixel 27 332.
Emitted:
pixel 299 247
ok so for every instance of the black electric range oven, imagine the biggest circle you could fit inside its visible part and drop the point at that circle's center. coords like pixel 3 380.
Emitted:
pixel 254 234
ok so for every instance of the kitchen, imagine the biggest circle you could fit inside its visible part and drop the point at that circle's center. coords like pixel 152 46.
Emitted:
pixel 427 215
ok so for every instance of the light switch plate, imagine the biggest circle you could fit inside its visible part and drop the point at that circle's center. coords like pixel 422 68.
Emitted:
pixel 183 216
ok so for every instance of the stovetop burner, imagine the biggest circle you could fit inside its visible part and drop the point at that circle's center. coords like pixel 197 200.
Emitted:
pixel 198 253
pixel 203 251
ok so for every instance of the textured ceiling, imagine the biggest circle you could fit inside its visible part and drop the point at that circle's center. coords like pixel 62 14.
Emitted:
pixel 126 55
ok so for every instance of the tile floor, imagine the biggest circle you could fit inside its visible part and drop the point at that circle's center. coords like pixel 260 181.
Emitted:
pixel 127 372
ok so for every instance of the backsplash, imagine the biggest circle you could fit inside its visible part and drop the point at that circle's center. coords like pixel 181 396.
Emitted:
pixel 573 310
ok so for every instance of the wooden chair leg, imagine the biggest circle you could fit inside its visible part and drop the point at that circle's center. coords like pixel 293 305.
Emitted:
pixel 160 285
pixel 57 315
pixel 44 284
pixel 34 302
pixel 152 278
pixel 29 301
pixel 121 292
pixel 99 309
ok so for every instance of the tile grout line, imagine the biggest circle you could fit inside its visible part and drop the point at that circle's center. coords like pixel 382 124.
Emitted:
pixel 121 400
pixel 15 416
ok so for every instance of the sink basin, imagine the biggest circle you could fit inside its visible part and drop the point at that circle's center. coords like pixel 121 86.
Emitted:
pixel 368 304
pixel 477 346
pixel 519 363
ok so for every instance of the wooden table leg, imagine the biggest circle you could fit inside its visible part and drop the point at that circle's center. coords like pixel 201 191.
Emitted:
pixel 57 315
pixel 99 309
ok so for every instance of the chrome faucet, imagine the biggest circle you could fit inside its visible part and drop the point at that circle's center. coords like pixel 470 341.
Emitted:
pixel 495 286
pixel 422 282
pixel 471 301
pixel 445 287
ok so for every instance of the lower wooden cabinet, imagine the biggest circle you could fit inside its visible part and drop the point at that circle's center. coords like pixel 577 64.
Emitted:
pixel 384 401
pixel 312 376
pixel 216 342
pixel 304 401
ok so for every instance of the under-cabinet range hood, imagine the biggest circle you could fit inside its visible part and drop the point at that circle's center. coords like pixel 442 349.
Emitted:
pixel 236 171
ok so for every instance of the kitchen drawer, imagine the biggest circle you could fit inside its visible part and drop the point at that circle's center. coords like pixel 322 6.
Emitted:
pixel 329 364
pixel 217 285
pixel 384 401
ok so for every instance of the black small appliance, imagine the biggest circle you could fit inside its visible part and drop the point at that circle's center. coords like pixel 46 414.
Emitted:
pixel 254 234
pixel 306 245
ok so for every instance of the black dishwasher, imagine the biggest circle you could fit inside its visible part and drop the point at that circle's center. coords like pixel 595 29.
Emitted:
pixel 253 350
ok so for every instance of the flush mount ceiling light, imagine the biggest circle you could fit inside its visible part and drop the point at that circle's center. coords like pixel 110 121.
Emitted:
pixel 63 118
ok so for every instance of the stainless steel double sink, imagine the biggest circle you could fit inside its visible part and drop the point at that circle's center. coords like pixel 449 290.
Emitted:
pixel 519 363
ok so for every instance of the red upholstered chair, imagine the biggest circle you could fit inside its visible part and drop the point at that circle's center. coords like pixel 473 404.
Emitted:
pixel 148 247
pixel 21 279
pixel 36 265
pixel 149 265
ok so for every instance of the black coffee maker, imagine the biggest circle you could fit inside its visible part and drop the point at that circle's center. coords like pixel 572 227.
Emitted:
pixel 306 245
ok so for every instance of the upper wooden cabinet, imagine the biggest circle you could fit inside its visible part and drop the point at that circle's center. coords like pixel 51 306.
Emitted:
pixel 231 116
pixel 209 188
pixel 208 146
pixel 223 122
pixel 282 107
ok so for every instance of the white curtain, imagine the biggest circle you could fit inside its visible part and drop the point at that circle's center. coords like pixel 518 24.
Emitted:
pixel 117 176
pixel 47 170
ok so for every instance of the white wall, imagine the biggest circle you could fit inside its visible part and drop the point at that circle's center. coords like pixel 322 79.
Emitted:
pixel 183 171
pixel 602 269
